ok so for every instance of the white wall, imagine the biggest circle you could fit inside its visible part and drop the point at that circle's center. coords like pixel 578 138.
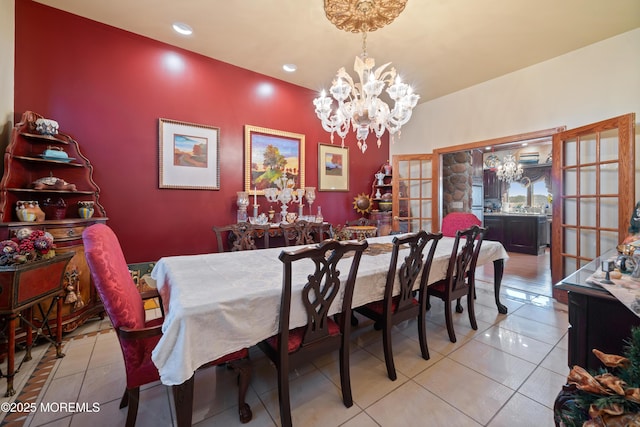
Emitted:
pixel 7 53
pixel 594 83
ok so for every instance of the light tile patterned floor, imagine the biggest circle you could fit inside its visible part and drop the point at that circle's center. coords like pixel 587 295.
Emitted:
pixel 506 373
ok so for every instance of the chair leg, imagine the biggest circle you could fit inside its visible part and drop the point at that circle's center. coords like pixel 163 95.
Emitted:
pixel 471 309
pixel 133 399
pixel 243 369
pixel 125 399
pixel 283 395
pixel 459 306
pixel 449 319
pixel 388 352
pixel 422 334
pixel 345 376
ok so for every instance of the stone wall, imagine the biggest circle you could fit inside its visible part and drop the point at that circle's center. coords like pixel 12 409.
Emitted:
pixel 456 182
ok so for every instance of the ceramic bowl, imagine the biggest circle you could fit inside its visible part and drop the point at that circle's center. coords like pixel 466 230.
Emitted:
pixel 385 206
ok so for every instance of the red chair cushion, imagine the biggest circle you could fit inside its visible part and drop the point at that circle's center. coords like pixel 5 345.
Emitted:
pixel 378 306
pixel 296 335
pixel 458 221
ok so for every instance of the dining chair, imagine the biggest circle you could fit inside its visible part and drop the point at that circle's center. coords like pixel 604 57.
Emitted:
pixel 460 277
pixel 392 310
pixel 241 236
pixel 318 266
pixel 137 336
pixel 300 232
pixel 455 221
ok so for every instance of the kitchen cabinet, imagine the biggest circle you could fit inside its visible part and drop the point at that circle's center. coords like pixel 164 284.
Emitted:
pixel 518 232
pixel 26 161
pixel 492 185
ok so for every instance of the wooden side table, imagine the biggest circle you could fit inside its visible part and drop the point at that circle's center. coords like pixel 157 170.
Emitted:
pixel 22 286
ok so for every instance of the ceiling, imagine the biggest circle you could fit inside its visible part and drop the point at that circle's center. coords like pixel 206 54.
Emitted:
pixel 438 46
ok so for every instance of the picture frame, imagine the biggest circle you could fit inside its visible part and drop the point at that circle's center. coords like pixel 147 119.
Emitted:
pixel 270 153
pixel 333 168
pixel 189 155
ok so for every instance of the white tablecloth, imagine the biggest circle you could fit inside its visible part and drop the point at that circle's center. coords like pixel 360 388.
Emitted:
pixel 219 303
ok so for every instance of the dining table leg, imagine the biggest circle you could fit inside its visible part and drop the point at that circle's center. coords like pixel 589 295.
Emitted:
pixel 183 399
pixel 498 271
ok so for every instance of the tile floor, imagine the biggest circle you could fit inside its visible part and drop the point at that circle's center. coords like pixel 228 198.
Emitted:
pixel 506 373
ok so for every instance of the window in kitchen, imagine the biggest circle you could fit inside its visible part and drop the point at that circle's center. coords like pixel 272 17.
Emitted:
pixel 524 195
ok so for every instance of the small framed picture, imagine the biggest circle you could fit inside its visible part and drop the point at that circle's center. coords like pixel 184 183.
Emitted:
pixel 189 156
pixel 333 168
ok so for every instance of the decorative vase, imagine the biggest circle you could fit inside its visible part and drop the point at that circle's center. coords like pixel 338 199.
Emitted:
pixel 29 211
pixel 85 209
pixel 387 168
pixel 380 176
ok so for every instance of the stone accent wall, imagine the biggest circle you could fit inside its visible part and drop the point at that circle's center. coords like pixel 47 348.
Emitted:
pixel 456 182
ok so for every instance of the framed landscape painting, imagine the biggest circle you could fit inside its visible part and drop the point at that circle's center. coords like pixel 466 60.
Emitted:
pixel 333 168
pixel 189 156
pixel 271 155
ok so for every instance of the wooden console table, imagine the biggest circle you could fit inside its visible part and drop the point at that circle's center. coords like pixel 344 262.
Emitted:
pixel 597 319
pixel 22 286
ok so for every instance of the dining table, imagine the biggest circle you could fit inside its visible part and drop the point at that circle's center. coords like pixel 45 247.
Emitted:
pixel 218 303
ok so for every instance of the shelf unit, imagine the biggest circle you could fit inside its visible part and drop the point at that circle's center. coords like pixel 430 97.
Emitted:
pixel 382 217
pixel 24 164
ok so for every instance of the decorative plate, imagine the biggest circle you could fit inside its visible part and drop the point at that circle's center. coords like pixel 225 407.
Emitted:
pixel 60 159
pixel 492 161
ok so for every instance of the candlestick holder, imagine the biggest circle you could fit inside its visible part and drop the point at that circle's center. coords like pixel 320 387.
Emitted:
pixel 242 202
pixel 607 267
pixel 255 210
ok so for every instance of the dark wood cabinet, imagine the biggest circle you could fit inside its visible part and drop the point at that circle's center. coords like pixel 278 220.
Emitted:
pixel 518 233
pixel 495 228
pixel 596 318
pixel 25 161
pixel 492 185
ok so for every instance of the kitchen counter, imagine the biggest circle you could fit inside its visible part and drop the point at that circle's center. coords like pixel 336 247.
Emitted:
pixel 518 232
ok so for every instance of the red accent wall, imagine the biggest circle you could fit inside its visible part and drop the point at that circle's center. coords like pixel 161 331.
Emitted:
pixel 107 88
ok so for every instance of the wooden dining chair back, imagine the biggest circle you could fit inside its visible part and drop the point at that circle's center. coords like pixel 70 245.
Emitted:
pixel 125 308
pixel 318 267
pixel 460 278
pixel 404 306
pixel 241 236
pixel 300 232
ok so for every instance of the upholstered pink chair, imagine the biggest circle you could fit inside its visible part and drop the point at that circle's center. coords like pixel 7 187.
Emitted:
pixel 458 221
pixel 125 309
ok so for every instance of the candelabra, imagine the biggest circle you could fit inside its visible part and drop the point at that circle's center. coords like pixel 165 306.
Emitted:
pixel 284 194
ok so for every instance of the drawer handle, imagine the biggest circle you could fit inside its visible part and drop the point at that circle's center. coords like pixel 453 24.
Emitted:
pixel 70 233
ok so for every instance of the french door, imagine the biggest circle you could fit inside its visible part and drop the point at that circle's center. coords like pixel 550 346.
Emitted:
pixel 413 192
pixel 593 176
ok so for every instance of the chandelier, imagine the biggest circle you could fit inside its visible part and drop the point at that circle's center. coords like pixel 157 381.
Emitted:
pixel 358 104
pixel 509 170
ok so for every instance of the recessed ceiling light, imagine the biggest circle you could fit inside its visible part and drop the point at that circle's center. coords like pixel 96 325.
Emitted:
pixel 524 144
pixel 182 28
pixel 289 68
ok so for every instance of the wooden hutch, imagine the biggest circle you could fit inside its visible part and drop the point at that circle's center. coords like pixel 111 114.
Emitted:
pixel 26 161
